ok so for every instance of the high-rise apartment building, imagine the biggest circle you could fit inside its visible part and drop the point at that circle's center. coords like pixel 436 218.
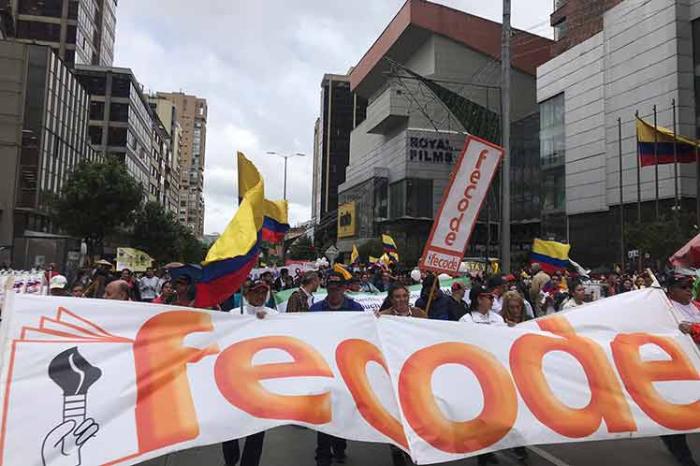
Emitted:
pixel 121 121
pixel 192 116
pixel 44 113
pixel 341 111
pixel 167 115
pixel 80 31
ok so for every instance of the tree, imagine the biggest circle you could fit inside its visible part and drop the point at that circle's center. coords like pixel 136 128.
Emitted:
pixel 96 199
pixel 302 249
pixel 662 237
pixel 191 250
pixel 157 232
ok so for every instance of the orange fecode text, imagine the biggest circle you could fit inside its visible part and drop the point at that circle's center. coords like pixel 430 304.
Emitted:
pixel 464 202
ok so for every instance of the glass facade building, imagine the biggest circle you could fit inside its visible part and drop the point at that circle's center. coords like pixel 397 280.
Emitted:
pixel 553 161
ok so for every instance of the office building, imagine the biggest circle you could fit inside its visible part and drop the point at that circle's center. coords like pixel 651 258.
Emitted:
pixel 44 113
pixel 81 32
pixel 121 121
pixel 341 109
pixel 167 115
pixel 192 116
pixel 7 24
pixel 422 104
pixel 639 55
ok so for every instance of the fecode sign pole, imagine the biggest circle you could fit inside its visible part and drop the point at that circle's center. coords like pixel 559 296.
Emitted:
pixel 465 193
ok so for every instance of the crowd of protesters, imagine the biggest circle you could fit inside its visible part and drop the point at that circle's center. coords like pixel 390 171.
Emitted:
pixel 480 298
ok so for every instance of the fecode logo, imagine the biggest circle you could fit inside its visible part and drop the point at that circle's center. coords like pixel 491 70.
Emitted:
pixel 469 183
pixel 170 417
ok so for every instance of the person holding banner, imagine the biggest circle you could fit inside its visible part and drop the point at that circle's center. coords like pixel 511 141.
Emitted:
pixel 254 303
pixel 679 292
pixel 399 300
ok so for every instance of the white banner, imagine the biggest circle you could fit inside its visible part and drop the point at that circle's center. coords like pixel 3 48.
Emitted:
pixel 469 183
pixel 151 379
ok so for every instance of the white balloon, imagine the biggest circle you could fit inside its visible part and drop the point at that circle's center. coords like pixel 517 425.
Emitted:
pixel 415 275
pixel 444 276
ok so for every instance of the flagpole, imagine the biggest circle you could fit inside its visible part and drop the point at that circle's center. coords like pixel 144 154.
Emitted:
pixel 656 163
pixel 622 206
pixel 675 157
pixel 639 173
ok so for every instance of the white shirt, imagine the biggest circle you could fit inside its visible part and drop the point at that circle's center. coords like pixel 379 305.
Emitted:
pixel 490 318
pixel 309 296
pixel 249 310
pixel 687 312
pixel 148 287
pixel 497 305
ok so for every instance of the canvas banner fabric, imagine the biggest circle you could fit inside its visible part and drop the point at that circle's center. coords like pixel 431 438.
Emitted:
pixel 103 382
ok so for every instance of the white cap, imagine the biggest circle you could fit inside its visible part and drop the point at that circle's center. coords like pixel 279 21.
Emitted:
pixel 58 281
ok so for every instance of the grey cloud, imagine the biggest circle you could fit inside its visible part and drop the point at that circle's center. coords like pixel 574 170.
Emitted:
pixel 259 64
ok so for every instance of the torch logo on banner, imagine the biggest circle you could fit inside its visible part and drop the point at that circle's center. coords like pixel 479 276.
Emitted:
pixel 74 375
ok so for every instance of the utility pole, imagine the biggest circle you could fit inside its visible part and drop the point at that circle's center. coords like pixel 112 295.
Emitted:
pixel 505 140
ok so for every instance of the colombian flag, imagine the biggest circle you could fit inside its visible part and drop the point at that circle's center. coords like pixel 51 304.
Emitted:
pixel 552 256
pixel 390 247
pixel 276 213
pixel 235 253
pixel 665 143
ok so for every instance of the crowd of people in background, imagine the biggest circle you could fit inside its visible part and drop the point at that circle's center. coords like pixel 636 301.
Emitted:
pixel 477 299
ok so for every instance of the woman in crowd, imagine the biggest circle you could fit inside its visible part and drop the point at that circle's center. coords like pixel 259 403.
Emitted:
pixel 578 294
pixel 480 309
pixel 513 308
pixel 167 294
pixel 399 305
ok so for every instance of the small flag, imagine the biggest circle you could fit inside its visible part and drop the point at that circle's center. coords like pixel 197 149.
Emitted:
pixel 665 142
pixel 551 255
pixel 340 269
pixel 373 260
pixel 390 247
pixel 355 256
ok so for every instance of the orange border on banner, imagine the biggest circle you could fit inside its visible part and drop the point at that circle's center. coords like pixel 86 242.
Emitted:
pixel 455 170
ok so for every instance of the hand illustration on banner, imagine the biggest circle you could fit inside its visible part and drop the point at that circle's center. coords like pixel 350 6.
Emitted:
pixel 62 445
pixel 74 375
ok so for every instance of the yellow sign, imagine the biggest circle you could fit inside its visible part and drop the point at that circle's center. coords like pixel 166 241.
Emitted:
pixel 133 259
pixel 347 224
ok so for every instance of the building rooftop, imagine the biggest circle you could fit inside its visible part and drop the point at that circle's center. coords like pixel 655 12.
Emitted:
pixel 418 19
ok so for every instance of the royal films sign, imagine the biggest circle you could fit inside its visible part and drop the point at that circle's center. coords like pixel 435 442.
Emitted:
pixel 434 149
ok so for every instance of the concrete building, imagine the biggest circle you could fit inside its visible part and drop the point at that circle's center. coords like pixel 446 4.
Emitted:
pixel 121 121
pixel 340 111
pixel 44 115
pixel 644 54
pixel 80 31
pixel 430 78
pixel 167 115
pixel 7 24
pixel 192 116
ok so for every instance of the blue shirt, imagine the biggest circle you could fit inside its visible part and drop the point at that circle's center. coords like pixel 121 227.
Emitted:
pixel 348 305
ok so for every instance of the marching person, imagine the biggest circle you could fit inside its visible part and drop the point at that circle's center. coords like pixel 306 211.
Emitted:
pixel 58 285
pixel 254 305
pixel 167 293
pixel 458 307
pixel 185 291
pixel 117 290
pixel 539 280
pixel 481 305
pixel 513 309
pixel 328 447
pixel 399 301
pixel 578 294
pixel 497 286
pixel 366 286
pixel 77 291
pixel 440 305
pixel 148 286
pixel 303 298
pixel 128 278
pixel 679 292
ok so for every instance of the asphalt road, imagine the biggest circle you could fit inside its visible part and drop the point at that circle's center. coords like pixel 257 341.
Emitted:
pixel 290 446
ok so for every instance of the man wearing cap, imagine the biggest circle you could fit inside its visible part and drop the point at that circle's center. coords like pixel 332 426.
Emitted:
pixel 458 307
pixel 329 448
pixel 253 304
pixel 679 292
pixel 57 286
pixel 497 287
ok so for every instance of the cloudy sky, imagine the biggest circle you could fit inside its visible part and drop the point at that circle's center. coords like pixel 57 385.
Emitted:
pixel 259 64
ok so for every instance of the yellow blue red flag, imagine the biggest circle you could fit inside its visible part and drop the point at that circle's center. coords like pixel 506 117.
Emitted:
pixel 231 258
pixel 276 218
pixel 390 247
pixel 551 255
pixel 656 146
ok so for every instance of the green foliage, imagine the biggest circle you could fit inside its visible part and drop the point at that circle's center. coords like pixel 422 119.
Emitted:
pixel 158 233
pixel 97 198
pixel 302 249
pixel 663 237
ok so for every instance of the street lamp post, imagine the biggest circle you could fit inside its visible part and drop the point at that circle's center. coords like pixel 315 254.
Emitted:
pixel 285 166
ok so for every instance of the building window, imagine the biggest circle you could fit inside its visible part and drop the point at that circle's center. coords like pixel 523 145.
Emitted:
pixel 552 132
pixel 95 134
pixel 116 137
pixel 411 197
pixel 95 85
pixel 121 86
pixel 560 30
pixel 37 30
pixel 118 112
pixel 97 110
pixel 40 8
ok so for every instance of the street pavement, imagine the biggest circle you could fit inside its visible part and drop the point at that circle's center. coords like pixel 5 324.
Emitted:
pixel 292 446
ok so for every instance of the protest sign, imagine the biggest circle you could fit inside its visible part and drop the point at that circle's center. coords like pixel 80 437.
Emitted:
pixel 466 190
pixel 133 259
pixel 152 379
